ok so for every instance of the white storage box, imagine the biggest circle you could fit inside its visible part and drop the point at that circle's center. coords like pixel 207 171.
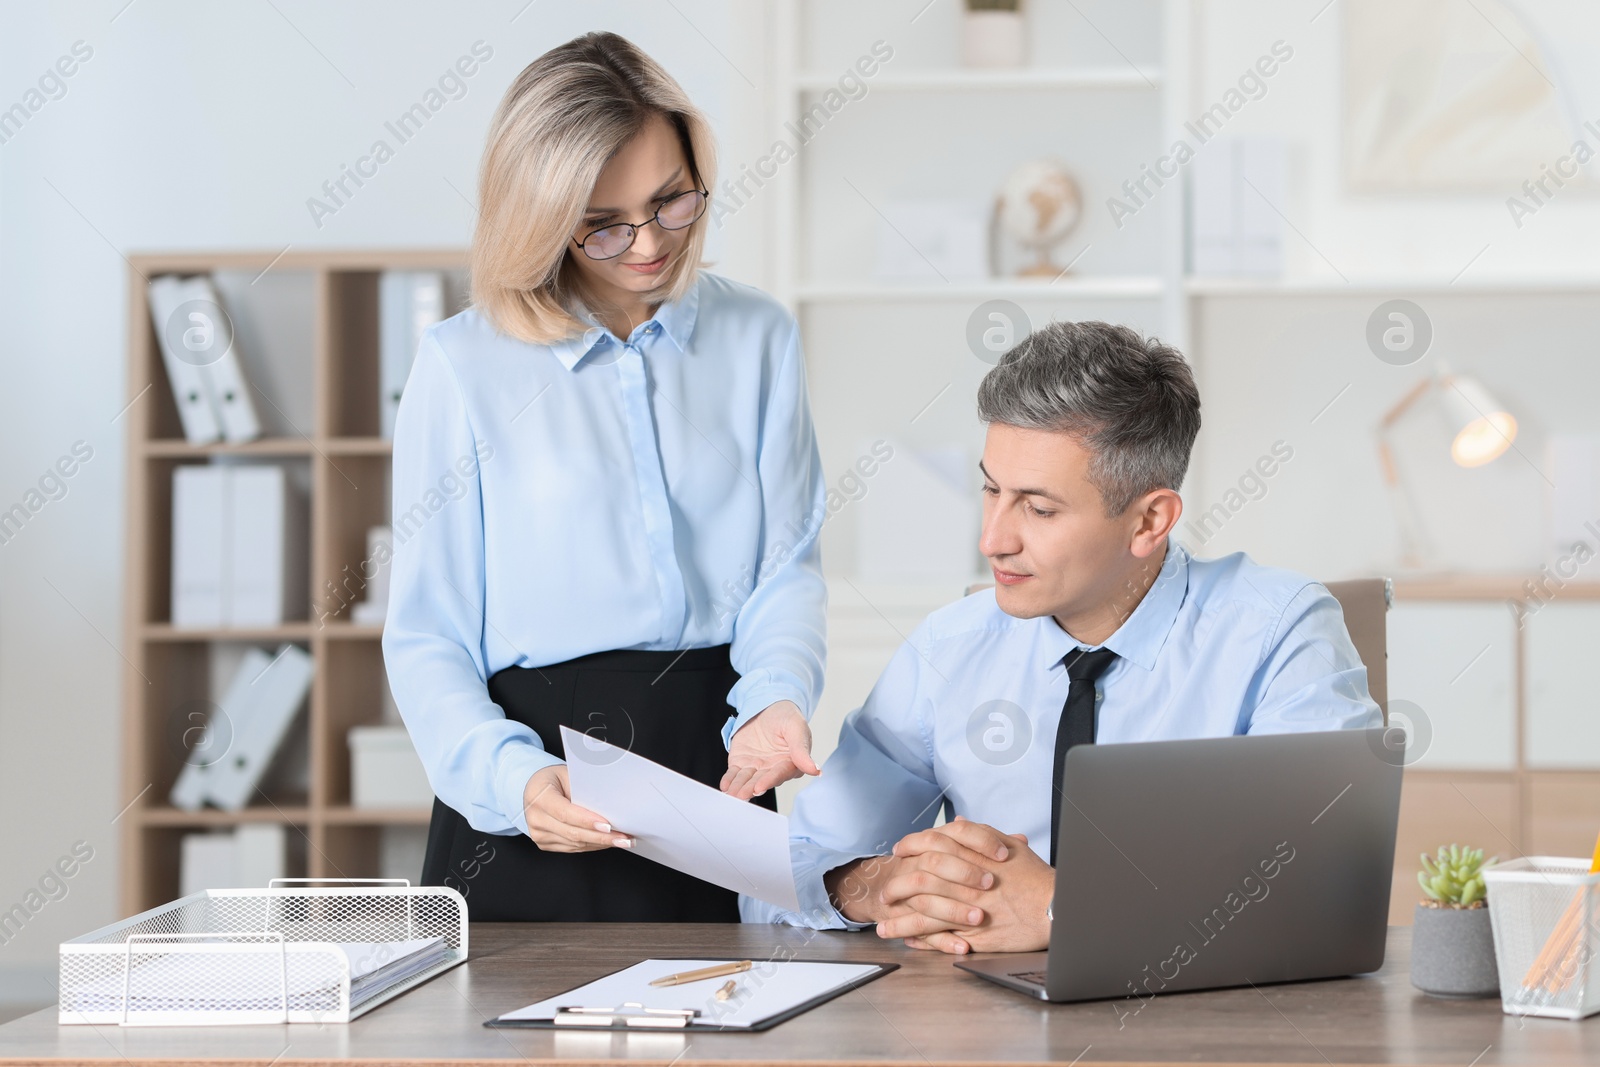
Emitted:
pixel 385 771
pixel 275 955
pixel 1545 911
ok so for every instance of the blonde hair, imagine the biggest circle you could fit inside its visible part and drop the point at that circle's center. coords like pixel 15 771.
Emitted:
pixel 560 122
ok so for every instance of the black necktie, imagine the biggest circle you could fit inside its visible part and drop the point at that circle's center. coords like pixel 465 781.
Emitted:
pixel 1077 723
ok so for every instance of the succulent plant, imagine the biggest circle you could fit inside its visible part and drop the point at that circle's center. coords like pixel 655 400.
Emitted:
pixel 1454 877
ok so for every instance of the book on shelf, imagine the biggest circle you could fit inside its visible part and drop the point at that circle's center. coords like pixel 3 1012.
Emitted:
pixel 200 352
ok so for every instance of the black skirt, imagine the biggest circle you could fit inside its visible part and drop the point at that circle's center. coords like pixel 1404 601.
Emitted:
pixel 669 707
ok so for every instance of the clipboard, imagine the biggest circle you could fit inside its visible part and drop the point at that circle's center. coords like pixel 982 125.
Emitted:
pixel 635 1015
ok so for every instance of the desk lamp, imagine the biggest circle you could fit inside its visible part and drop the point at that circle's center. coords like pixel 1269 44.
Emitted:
pixel 1482 429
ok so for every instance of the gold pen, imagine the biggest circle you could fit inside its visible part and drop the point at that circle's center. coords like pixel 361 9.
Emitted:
pixel 718 971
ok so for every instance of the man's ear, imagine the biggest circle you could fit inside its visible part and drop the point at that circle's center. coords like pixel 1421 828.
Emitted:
pixel 1155 514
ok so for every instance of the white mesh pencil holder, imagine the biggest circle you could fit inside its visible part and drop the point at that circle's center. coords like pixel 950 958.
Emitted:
pixel 281 954
pixel 1545 911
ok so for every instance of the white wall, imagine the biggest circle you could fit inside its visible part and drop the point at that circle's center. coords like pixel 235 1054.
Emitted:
pixel 1269 369
pixel 1372 236
pixel 1269 363
pixel 196 125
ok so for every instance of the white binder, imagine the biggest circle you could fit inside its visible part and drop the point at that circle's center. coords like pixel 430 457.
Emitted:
pixel 409 301
pixel 265 547
pixel 260 704
pixel 201 353
pixel 260 853
pixel 238 546
pixel 206 861
pixel 222 734
pixel 200 422
pixel 200 538
pixel 254 853
pixel 189 791
pixel 230 395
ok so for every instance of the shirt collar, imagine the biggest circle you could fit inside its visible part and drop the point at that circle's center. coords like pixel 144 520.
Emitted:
pixel 1143 633
pixel 675 317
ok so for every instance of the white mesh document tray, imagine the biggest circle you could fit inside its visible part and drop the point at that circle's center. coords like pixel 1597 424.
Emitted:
pixel 324 952
pixel 1545 911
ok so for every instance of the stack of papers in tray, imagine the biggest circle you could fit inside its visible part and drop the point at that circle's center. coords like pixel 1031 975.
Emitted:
pixel 195 976
pixel 375 967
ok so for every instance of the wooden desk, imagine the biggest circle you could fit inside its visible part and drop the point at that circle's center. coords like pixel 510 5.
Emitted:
pixel 925 1013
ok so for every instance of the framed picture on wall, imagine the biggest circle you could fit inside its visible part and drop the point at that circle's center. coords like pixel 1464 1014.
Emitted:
pixel 1444 96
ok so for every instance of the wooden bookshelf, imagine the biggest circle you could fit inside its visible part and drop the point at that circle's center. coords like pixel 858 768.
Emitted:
pixel 335 440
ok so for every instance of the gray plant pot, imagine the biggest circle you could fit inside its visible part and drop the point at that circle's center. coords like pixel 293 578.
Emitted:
pixel 1452 952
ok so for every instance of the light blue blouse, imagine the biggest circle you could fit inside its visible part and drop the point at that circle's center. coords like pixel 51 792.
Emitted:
pixel 660 492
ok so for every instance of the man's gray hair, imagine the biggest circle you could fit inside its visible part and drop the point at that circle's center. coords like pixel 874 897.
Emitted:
pixel 1130 401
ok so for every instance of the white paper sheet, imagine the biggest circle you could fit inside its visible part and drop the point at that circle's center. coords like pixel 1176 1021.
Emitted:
pixel 769 988
pixel 677 822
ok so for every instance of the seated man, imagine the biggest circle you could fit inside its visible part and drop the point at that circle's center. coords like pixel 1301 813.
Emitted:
pixel 1099 629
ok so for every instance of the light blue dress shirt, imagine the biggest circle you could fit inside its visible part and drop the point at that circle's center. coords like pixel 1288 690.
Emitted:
pixel 965 715
pixel 660 492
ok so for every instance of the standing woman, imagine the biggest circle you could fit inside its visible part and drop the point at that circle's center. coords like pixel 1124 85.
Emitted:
pixel 606 495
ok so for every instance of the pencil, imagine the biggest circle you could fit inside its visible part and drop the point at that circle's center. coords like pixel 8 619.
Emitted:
pixel 1553 968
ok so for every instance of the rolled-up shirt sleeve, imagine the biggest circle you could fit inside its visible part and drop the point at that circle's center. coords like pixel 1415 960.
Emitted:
pixel 779 646
pixel 478 761
pixel 878 786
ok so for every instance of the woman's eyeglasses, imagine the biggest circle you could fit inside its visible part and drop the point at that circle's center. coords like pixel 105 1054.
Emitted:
pixel 608 242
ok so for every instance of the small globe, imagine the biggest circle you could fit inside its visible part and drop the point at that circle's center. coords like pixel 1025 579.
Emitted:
pixel 1038 206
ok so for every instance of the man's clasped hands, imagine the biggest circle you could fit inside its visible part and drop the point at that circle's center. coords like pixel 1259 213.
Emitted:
pixel 960 887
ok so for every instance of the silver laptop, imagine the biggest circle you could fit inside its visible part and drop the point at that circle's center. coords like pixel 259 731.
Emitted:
pixel 1217 862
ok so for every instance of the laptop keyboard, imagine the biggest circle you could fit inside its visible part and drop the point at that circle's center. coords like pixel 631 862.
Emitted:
pixel 1036 977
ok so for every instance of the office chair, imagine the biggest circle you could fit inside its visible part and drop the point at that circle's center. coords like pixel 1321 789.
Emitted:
pixel 1366 601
